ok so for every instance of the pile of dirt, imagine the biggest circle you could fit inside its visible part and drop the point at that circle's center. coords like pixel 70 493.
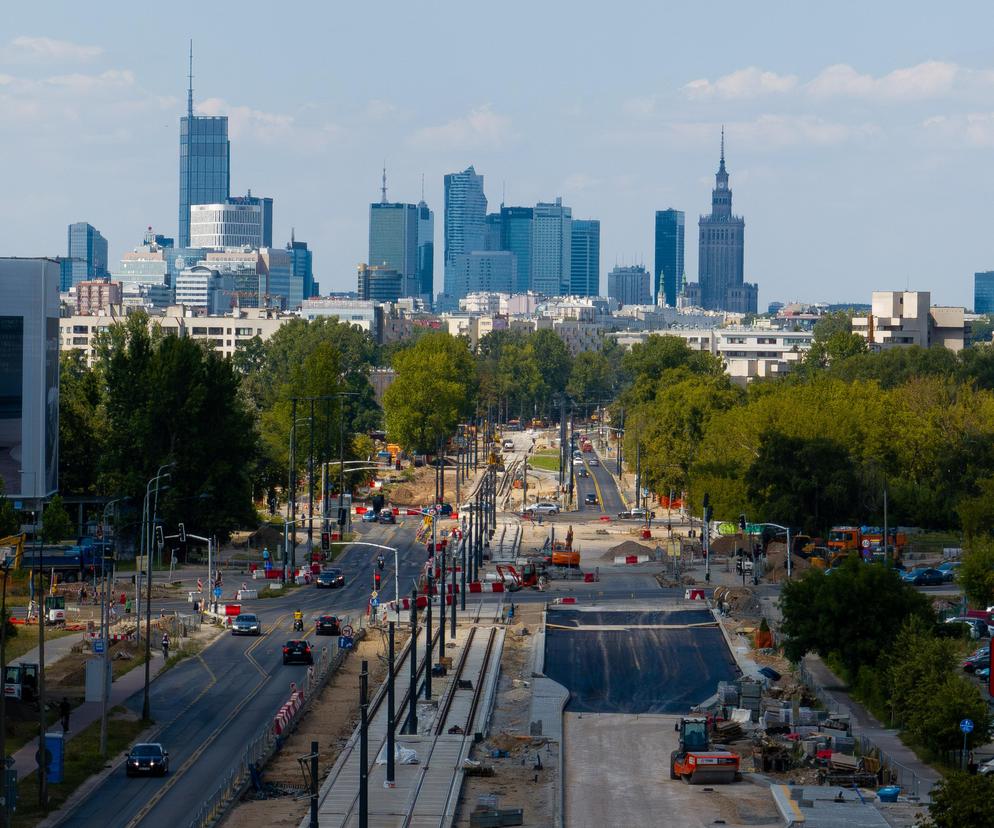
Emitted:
pixel 739 600
pixel 626 548
pixel 776 563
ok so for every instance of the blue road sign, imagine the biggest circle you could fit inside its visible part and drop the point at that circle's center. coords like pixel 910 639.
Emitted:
pixel 345 642
pixel 374 602
pixel 98 645
pixel 268 564
pixel 966 725
pixel 265 554
pixel 217 592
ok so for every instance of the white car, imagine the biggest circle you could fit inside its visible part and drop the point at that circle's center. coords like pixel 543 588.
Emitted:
pixel 593 461
pixel 543 508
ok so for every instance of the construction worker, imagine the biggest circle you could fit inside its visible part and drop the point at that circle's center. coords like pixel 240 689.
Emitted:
pixel 165 646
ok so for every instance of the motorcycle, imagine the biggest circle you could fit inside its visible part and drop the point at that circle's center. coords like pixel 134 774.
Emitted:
pixel 298 624
pixel 380 563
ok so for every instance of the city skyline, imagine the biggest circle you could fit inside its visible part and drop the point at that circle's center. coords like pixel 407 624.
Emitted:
pixel 885 138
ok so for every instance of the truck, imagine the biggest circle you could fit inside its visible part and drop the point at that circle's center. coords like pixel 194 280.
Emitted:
pixel 70 564
pixel 867 540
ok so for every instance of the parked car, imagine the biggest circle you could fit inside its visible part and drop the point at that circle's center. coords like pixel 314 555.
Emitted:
pixel 590 499
pixel 386 516
pixel 978 627
pixel 246 623
pixel 924 576
pixel 948 570
pixel 542 508
pixel 147 758
pixel 297 651
pixel 445 509
pixel 329 579
pixel 369 516
pixel 979 659
pixel 328 625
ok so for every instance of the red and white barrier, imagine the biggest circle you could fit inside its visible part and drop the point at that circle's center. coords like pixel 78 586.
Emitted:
pixel 631 559
pixel 112 637
pixel 283 716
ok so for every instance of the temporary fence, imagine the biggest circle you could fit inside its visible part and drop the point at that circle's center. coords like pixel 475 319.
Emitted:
pixel 271 736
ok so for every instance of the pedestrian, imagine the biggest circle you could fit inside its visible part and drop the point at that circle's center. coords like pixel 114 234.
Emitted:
pixel 165 646
pixel 127 607
pixel 64 710
pixel 79 596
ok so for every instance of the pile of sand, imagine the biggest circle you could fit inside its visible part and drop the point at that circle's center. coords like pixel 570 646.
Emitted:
pixel 626 548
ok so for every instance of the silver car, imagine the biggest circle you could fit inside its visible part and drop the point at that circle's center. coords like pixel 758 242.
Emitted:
pixel 543 508
pixel 246 624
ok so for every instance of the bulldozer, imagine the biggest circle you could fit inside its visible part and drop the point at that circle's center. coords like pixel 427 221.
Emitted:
pixel 696 762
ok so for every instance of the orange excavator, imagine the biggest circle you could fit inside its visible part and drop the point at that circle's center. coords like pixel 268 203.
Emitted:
pixel 530 576
pixel 696 762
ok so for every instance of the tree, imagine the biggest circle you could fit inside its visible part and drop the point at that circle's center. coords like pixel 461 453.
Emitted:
pixel 592 379
pixel 554 361
pixel 976 575
pixel 809 482
pixel 56 524
pixel 81 435
pixel 959 800
pixel 9 522
pixel 434 390
pixel 855 613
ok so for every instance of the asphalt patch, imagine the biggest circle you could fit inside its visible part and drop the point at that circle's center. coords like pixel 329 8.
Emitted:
pixel 636 670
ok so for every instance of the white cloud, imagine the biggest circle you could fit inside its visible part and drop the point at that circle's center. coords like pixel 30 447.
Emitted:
pixel 26 49
pixel 80 84
pixel 377 109
pixel 742 84
pixel 926 80
pixel 481 128
pixel 271 128
pixel 972 130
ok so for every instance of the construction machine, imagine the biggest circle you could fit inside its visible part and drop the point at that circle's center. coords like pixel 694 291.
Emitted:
pixel 696 762
pixel 12 549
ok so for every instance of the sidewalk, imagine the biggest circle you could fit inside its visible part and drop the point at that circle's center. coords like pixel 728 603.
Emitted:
pixel 915 777
pixel 89 712
pixel 55 648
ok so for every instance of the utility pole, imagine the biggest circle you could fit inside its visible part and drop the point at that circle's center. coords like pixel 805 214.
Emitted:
pixel 412 694
pixel 364 746
pixel 391 713
pixel 42 613
pixel 292 506
pixel 314 785
pixel 310 486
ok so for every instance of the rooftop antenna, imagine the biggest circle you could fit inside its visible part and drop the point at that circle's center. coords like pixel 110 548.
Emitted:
pixel 422 187
pixel 383 189
pixel 292 239
pixel 189 91
pixel 503 192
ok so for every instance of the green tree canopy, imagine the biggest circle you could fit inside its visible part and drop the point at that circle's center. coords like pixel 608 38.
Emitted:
pixel 976 574
pixel 81 432
pixel 960 800
pixel 9 522
pixel 56 525
pixel 592 379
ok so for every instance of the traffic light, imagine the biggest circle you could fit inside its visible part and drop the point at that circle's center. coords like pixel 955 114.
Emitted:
pixel 182 533
pixel 343 516
pixel 708 511
pixel 742 523
pixel 325 541
pixel 159 538
pixel 376 580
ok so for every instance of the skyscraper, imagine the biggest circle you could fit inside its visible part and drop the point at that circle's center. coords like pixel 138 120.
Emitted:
pixel 204 161
pixel 629 285
pixel 551 248
pixel 87 256
pixel 236 222
pixel 585 258
pixel 983 292
pixel 426 250
pixel 721 251
pixel 302 265
pixel 465 218
pixel 516 237
pixel 668 273
pixel 380 284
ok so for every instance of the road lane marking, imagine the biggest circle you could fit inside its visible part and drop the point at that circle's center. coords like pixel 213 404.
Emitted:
pixel 597 488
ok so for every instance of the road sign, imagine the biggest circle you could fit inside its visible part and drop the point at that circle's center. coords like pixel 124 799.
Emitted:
pixel 217 592
pixel 345 642
pixel 98 645
pixel 374 594
pixel 347 631
pixel 431 511
pixel 866 544
pixel 374 602
pixel 966 725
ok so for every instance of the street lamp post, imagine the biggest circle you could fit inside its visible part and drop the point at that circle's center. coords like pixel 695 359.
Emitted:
pixel 105 627
pixel 5 568
pixel 147 536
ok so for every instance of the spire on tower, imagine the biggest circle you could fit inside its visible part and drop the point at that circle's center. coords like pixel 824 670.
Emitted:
pixel 422 188
pixel 383 189
pixel 189 91
pixel 721 166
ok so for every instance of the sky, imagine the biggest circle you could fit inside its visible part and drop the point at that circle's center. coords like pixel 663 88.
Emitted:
pixel 859 135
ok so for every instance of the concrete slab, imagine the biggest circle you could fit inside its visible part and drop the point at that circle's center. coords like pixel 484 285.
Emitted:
pixel 617 773
pixel 548 700
pixel 827 807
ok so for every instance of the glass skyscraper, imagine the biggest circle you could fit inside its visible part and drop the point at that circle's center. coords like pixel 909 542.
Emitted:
pixel 465 218
pixel 87 256
pixel 426 251
pixel 204 161
pixel 585 264
pixel 393 242
pixel 516 236
pixel 551 248
pixel 668 274
pixel 302 265
pixel 983 292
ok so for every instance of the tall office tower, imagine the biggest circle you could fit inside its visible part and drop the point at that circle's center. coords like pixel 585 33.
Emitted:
pixel 516 236
pixel 585 258
pixel 483 271
pixel 426 250
pixel 242 221
pixel 552 242
pixel 629 285
pixel 721 251
pixel 492 232
pixel 393 240
pixel 204 161
pixel 983 292
pixel 302 265
pixel 465 218
pixel 249 275
pixel 379 284
pixel 87 256
pixel 668 273
pixel 284 290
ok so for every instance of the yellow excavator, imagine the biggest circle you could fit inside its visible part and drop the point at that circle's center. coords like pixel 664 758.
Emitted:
pixel 12 549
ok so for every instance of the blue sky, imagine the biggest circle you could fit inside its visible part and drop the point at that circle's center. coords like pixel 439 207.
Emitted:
pixel 859 134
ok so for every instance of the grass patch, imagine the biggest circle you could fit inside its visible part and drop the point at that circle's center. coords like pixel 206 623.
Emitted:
pixel 188 649
pixel 122 666
pixel 545 460
pixel 27 639
pixel 82 760
pixel 23 727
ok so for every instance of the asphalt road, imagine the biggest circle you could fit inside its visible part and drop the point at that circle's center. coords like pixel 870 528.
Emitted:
pixel 210 707
pixel 653 670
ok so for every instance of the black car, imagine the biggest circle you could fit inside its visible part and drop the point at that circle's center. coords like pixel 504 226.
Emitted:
pixel 386 516
pixel 297 651
pixel 328 625
pixel 330 578
pixel 590 499
pixel 147 757
pixel 445 509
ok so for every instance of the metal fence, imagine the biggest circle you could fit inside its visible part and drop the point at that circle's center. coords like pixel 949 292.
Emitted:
pixel 266 742
pixel 906 778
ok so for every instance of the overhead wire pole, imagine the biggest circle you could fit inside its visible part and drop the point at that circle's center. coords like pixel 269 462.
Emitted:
pixel 146 706
pixel 310 485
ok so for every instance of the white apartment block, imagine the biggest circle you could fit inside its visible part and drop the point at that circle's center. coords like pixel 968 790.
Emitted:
pixel 908 318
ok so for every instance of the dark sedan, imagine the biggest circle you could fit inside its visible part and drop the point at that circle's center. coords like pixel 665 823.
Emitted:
pixel 925 577
pixel 330 579
pixel 590 499
pixel 297 651
pixel 147 758
pixel 328 625
pixel 387 516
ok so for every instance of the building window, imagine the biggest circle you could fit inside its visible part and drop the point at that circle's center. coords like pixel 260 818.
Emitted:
pixel 80 340
pixel 200 331
pixel 80 329
pixel 216 331
pixel 766 340
pixel 243 332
